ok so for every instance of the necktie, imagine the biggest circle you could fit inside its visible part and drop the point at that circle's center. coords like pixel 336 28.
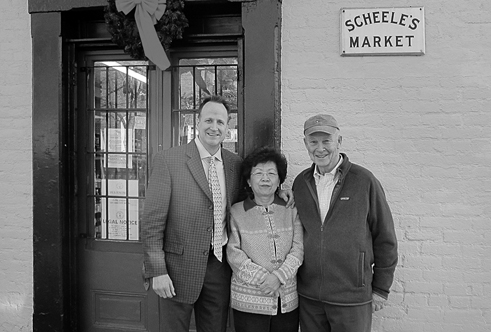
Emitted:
pixel 217 209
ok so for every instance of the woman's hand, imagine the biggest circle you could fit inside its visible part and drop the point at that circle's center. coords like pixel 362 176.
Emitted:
pixel 270 285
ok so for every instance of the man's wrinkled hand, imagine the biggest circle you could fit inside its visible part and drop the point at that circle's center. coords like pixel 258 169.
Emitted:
pixel 287 196
pixel 378 302
pixel 163 286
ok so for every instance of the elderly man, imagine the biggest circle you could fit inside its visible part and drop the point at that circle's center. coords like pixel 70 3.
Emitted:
pixel 349 238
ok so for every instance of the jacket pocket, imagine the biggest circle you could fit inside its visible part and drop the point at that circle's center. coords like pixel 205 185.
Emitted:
pixel 361 270
pixel 173 247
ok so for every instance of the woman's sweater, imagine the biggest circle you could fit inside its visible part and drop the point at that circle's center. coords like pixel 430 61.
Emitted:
pixel 264 240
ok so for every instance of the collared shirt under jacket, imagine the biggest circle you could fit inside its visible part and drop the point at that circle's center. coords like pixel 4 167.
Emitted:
pixel 354 252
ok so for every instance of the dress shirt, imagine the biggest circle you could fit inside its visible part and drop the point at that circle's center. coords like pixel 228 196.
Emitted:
pixel 205 160
pixel 325 186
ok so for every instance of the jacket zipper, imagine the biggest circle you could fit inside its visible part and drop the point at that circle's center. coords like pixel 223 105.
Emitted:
pixel 362 268
pixel 320 262
pixel 336 191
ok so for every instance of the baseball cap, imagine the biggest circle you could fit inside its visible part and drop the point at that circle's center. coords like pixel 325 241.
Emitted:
pixel 320 123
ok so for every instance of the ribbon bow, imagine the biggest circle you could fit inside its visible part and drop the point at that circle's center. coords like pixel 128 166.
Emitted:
pixel 147 13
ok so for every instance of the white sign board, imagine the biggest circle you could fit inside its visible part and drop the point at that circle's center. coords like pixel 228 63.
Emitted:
pixel 117 143
pixel 231 135
pixel 383 31
pixel 114 211
pixel 140 122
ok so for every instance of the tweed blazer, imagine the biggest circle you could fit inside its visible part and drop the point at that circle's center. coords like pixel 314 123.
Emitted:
pixel 177 221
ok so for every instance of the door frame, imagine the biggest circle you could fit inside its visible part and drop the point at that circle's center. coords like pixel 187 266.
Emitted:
pixel 53 138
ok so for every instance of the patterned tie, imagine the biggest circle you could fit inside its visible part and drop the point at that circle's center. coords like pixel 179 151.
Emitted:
pixel 217 209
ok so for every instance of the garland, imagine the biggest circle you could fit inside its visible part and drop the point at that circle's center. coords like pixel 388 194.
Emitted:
pixel 125 34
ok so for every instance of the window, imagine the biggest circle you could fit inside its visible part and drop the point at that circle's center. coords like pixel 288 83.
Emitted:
pixel 197 79
pixel 117 113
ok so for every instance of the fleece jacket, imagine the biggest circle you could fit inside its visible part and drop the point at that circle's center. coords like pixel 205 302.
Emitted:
pixel 354 251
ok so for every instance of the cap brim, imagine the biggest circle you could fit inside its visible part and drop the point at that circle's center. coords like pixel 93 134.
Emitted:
pixel 321 129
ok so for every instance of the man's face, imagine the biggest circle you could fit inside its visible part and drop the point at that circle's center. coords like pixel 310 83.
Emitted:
pixel 323 149
pixel 212 126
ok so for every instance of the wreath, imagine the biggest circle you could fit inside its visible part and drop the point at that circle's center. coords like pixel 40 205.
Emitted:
pixel 125 33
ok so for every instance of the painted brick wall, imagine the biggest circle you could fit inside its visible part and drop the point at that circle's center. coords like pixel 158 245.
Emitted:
pixel 15 168
pixel 422 125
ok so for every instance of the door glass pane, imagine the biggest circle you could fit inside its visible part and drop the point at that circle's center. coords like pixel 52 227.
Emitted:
pixel 197 79
pixel 118 149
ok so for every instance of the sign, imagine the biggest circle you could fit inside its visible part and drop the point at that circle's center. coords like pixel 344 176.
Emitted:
pixel 140 122
pixel 231 135
pixel 120 221
pixel 117 142
pixel 383 31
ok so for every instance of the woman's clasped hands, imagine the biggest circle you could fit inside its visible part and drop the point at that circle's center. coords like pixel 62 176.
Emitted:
pixel 270 285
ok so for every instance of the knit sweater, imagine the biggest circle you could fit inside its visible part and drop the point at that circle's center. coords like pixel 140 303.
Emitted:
pixel 354 252
pixel 264 240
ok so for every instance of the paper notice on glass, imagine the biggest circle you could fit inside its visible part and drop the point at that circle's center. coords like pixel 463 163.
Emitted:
pixel 118 142
pixel 120 216
pixel 140 122
pixel 231 136
pixel 117 187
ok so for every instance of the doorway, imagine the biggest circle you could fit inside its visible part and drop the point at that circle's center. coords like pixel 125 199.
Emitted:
pixel 128 110
pixel 64 222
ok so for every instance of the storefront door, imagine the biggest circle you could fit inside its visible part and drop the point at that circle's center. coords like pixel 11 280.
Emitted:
pixel 127 110
pixel 94 135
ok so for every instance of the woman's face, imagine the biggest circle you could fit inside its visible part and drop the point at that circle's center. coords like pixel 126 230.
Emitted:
pixel 264 179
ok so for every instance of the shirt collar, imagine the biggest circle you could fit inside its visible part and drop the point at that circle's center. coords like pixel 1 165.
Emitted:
pixel 333 172
pixel 203 153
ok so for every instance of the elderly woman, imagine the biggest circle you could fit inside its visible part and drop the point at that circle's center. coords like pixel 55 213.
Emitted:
pixel 264 249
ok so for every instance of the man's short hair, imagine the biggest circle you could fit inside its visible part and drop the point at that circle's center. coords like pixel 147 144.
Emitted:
pixel 216 99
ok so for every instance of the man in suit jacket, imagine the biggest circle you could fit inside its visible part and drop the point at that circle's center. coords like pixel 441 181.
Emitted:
pixel 178 225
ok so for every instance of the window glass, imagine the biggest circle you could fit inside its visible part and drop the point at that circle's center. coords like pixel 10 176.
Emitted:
pixel 119 147
pixel 199 78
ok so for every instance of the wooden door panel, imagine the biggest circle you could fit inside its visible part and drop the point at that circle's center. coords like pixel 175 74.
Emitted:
pixel 113 295
pixel 120 310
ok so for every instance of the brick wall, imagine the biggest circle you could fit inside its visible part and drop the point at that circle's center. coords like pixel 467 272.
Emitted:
pixel 15 168
pixel 422 125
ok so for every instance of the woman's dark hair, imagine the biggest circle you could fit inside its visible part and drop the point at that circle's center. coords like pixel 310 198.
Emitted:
pixel 263 155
